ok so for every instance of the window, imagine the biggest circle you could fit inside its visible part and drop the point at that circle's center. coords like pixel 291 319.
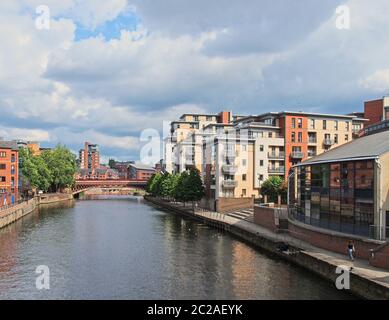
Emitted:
pixel 3 166
pixel 196 118
pixel 261 148
pixel 293 137
pixel 209 118
pixel 336 124
pixel 324 124
pixel 261 177
pixel 346 137
pixel 261 163
pixel 2 179
pixel 300 122
pixel 244 147
pixel 347 126
pixel 244 177
pixel 3 154
pixel 336 139
pixel 243 192
pixel 312 123
pixel 293 123
pixel 270 135
pixel 300 137
pixel 244 162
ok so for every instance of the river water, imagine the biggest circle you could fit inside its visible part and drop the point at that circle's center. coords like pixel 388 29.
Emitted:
pixel 122 248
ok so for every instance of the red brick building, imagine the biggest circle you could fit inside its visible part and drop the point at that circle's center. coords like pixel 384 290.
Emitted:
pixel 140 172
pixel 9 171
pixel 377 110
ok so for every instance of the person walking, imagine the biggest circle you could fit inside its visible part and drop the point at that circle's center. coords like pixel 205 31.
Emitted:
pixel 351 250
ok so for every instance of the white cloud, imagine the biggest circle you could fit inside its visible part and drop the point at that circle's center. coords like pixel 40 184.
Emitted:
pixel 24 134
pixel 378 81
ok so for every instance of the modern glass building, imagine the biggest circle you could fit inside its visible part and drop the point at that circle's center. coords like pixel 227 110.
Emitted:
pixel 345 189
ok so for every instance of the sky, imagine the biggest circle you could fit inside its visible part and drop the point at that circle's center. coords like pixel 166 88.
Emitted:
pixel 104 71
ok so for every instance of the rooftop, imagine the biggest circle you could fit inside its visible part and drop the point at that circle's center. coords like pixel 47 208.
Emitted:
pixel 368 147
pixel 141 166
pixel 9 145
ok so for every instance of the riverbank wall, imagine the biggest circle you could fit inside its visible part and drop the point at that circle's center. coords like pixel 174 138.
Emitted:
pixel 18 211
pixel 360 285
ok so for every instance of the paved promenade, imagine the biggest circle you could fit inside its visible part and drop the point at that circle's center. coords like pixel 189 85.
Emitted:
pixel 360 267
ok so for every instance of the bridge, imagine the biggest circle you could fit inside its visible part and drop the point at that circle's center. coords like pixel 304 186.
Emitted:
pixel 85 184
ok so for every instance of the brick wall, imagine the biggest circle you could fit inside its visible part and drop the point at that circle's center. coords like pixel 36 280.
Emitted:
pixel 264 217
pixel 374 111
pixel 380 256
pixel 332 241
pixel 233 204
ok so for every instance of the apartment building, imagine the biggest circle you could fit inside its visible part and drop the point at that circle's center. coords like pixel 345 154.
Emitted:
pixel 376 110
pixel 89 157
pixel 183 147
pixel 309 134
pixel 137 171
pixel 9 171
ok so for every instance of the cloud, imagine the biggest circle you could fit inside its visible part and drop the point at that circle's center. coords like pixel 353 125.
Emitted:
pixel 248 57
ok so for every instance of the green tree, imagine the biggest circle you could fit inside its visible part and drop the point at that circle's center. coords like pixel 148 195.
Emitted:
pixel 155 186
pixel 194 187
pixel 174 185
pixel 34 170
pixel 61 163
pixel 166 185
pixel 111 163
pixel 273 187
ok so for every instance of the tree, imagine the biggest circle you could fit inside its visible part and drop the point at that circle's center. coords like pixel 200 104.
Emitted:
pixel 166 185
pixel 174 185
pixel 62 166
pixel 179 191
pixel 273 187
pixel 34 170
pixel 155 185
pixel 194 187
pixel 111 163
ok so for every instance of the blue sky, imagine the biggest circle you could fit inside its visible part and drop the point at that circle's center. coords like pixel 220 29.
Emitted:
pixel 105 71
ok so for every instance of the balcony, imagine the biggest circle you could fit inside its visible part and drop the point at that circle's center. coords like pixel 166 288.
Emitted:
pixel 229 168
pixel 312 140
pixel 297 155
pixel 279 170
pixel 273 155
pixel 231 154
pixel 328 142
pixel 229 184
pixel 312 154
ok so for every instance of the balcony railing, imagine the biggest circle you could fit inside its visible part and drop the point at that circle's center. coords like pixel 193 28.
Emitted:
pixel 279 170
pixel 312 140
pixel 229 168
pixel 230 154
pixel 297 155
pixel 274 155
pixel 312 154
pixel 328 142
pixel 229 183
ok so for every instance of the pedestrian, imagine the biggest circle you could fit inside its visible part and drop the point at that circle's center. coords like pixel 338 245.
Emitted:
pixel 351 250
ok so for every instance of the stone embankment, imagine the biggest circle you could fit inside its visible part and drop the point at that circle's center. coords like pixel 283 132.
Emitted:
pixel 13 213
pixel 365 281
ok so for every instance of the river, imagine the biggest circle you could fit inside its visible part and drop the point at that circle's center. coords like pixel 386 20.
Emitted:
pixel 123 248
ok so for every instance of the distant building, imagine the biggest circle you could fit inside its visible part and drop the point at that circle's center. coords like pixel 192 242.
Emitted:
pixel 377 110
pixel 102 173
pixel 122 168
pixel 89 157
pixel 140 172
pixel 9 172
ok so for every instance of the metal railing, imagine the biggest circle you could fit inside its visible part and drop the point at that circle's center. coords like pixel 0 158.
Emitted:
pixel 297 155
pixel 279 155
pixel 229 183
pixel 276 170
pixel 328 142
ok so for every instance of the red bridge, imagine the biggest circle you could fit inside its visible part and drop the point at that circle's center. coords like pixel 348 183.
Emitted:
pixel 84 184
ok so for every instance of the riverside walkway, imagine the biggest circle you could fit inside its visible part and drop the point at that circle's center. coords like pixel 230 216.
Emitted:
pixel 366 281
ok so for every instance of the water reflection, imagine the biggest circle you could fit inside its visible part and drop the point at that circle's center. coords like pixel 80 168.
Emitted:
pixel 123 248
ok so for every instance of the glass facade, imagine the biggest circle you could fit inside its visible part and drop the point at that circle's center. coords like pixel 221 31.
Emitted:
pixel 336 196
